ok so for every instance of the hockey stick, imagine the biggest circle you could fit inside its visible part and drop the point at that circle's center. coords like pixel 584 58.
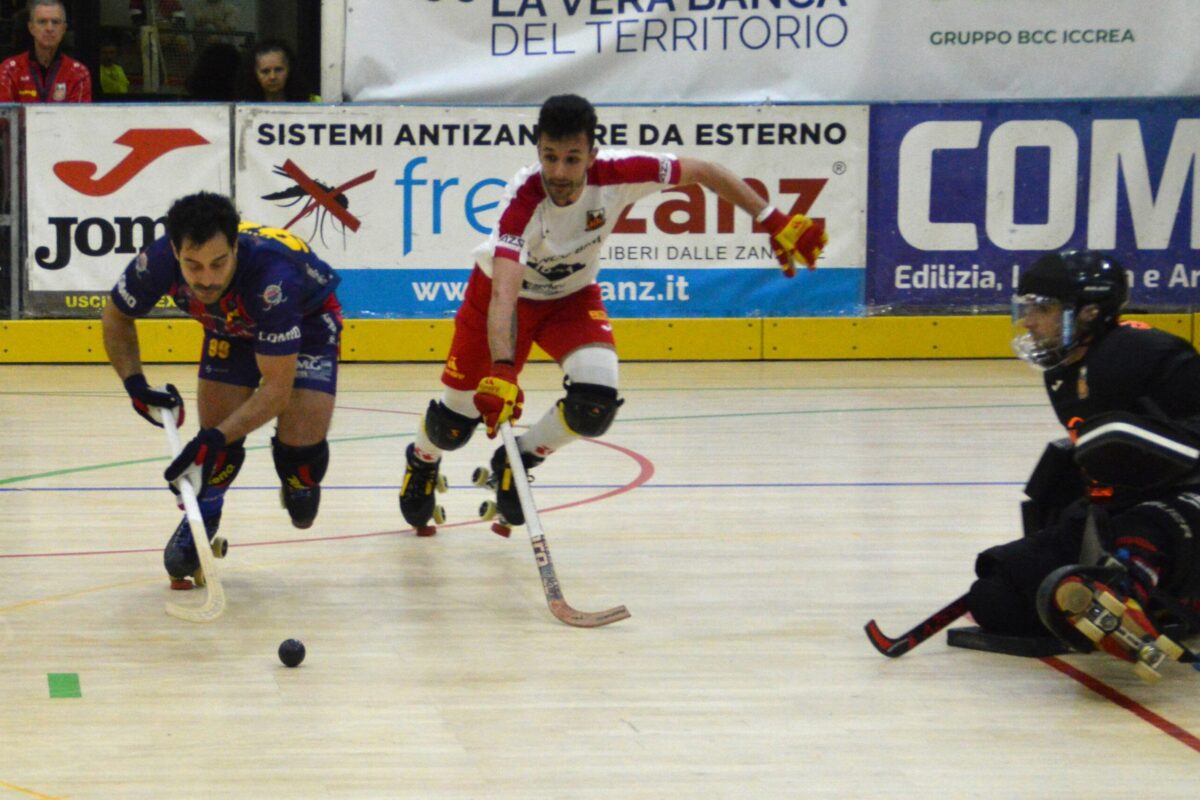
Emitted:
pixel 894 648
pixel 214 603
pixel 541 550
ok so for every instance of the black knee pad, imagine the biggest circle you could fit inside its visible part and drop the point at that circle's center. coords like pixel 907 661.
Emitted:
pixel 305 465
pixel 1023 564
pixel 231 464
pixel 589 408
pixel 1001 608
pixel 448 429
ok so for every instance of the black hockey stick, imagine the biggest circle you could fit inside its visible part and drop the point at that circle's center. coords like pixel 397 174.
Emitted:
pixel 894 648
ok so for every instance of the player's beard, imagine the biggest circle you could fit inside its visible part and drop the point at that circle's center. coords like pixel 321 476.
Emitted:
pixel 564 192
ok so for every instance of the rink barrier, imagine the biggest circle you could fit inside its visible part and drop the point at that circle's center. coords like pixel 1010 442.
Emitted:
pixel 167 341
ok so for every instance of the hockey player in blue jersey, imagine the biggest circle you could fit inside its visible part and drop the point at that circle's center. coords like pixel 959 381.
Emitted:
pixel 272 331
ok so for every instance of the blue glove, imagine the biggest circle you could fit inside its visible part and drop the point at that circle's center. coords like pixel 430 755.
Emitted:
pixel 144 398
pixel 206 451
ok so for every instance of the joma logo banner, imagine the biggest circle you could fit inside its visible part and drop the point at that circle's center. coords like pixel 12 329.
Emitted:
pixel 145 145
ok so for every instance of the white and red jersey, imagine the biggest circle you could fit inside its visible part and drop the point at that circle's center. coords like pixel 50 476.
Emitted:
pixel 560 245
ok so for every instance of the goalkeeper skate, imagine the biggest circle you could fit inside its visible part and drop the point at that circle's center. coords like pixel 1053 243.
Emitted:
pixel 506 508
pixel 1081 606
pixel 180 558
pixel 421 481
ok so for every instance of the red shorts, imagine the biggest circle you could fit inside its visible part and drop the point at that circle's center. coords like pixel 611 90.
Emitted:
pixel 558 326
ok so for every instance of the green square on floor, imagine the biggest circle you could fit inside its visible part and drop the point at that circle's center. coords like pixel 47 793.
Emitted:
pixel 64 684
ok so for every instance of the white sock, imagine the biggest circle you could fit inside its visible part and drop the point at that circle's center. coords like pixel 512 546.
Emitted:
pixel 548 435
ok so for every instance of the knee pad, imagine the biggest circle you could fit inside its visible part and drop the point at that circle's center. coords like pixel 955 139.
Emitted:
pixel 589 408
pixel 1001 608
pixel 1022 564
pixel 448 429
pixel 300 467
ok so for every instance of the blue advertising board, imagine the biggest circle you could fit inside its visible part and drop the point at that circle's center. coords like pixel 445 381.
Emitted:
pixel 963 195
pixel 639 293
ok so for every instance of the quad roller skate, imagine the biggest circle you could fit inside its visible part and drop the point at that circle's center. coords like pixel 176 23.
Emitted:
pixel 180 558
pixel 421 480
pixel 1080 606
pixel 506 508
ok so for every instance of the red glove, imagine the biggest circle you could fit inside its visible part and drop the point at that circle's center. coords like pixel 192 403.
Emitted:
pixel 798 238
pixel 498 397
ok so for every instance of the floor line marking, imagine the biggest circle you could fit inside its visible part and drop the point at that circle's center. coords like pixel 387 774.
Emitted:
pixel 28 792
pixel 1176 732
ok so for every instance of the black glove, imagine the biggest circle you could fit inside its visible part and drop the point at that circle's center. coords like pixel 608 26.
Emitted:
pixel 206 451
pixel 144 398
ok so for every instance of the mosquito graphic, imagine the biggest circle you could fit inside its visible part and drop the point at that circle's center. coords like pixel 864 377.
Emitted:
pixel 322 205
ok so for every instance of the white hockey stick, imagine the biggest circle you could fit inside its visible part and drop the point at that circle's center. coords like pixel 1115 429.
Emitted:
pixel 541 550
pixel 214 603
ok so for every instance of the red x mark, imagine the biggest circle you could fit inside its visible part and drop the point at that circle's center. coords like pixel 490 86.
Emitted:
pixel 327 200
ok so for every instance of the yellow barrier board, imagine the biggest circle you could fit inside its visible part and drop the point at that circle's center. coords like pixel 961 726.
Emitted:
pixel 805 339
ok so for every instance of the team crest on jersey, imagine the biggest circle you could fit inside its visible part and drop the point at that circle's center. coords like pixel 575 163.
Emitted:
pixel 595 219
pixel 60 92
pixel 142 264
pixel 1081 386
pixel 273 295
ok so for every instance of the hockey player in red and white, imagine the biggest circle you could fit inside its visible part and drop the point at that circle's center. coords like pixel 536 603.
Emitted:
pixel 44 74
pixel 535 281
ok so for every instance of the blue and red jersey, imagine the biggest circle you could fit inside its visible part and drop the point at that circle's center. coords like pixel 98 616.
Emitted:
pixel 277 283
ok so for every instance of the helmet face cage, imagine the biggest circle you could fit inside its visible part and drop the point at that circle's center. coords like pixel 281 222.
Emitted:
pixel 1066 282
pixel 1056 336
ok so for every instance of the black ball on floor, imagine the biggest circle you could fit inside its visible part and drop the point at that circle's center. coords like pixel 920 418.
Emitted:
pixel 291 652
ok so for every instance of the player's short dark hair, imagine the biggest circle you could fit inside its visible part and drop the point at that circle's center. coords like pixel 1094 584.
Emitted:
pixel 566 115
pixel 201 216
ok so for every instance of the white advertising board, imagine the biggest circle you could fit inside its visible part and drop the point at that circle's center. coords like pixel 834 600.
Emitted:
pixel 99 182
pixel 396 198
pixel 753 51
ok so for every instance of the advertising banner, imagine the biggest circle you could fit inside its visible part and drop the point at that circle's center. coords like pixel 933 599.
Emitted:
pixel 99 181
pixel 963 194
pixel 755 51
pixel 396 198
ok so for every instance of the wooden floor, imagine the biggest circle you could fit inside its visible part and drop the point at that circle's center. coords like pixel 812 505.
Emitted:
pixel 751 516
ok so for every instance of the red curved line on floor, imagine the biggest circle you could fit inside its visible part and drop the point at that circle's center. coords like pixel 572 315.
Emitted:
pixel 646 471
pixel 1109 693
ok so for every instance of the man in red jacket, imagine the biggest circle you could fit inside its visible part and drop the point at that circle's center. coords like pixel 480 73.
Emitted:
pixel 44 75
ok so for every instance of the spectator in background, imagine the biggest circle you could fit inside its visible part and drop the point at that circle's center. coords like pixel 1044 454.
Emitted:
pixel 273 75
pixel 215 76
pixel 113 79
pixel 44 74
